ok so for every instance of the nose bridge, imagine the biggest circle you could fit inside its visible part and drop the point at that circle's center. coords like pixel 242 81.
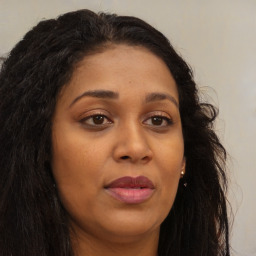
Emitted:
pixel 132 143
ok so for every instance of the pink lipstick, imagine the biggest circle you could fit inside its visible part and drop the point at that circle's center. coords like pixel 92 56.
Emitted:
pixel 131 190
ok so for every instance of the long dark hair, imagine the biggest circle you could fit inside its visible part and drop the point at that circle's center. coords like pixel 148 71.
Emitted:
pixel 32 218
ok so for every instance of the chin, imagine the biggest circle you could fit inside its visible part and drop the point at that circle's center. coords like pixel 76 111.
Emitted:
pixel 132 226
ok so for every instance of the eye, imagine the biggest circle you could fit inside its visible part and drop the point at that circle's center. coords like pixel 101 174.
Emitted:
pixel 158 121
pixel 96 120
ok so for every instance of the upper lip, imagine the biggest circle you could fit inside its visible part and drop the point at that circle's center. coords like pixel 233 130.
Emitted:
pixel 132 182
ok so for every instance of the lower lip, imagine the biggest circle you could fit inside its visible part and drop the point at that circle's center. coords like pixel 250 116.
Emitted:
pixel 131 195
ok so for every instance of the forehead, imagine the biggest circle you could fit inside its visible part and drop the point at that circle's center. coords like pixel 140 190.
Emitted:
pixel 122 68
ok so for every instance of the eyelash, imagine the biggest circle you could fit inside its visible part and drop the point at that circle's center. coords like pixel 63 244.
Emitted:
pixel 168 121
pixel 107 121
pixel 94 125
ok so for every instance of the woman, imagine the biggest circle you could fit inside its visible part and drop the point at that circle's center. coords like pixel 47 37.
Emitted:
pixel 106 149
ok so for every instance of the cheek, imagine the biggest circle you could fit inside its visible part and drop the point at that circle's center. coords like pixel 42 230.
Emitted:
pixel 76 179
pixel 170 162
pixel 170 182
pixel 76 169
pixel 74 157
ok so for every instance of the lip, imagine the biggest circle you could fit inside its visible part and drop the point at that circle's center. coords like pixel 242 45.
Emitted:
pixel 131 190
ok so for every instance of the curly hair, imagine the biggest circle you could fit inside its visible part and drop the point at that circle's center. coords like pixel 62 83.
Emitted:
pixel 32 218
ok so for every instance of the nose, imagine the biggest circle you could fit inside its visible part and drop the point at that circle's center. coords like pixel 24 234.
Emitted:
pixel 132 145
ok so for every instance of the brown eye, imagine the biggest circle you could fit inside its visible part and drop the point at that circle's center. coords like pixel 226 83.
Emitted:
pixel 157 120
pixel 98 119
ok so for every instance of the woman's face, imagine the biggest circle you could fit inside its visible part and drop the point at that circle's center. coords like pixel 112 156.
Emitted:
pixel 118 144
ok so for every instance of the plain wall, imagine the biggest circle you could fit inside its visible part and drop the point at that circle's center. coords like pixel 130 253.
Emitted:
pixel 218 39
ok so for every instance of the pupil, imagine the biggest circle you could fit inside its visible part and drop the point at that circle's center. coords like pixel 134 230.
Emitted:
pixel 98 119
pixel 157 120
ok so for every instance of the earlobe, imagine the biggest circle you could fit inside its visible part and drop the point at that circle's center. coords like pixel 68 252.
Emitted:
pixel 183 168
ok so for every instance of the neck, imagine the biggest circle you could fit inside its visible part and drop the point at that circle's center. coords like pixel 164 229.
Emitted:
pixel 86 245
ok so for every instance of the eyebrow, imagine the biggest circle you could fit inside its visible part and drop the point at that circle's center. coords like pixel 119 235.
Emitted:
pixel 106 94
pixel 156 96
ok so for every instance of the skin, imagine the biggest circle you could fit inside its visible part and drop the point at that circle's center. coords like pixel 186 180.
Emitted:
pixel 99 139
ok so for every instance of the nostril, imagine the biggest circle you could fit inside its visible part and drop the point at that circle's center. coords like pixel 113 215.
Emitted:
pixel 145 158
pixel 125 157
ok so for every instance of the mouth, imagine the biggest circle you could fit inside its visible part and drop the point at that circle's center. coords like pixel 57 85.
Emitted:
pixel 131 190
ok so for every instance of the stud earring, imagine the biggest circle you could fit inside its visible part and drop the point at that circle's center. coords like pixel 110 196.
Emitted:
pixel 182 173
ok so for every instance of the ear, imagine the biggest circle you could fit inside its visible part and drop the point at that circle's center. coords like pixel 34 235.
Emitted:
pixel 183 167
